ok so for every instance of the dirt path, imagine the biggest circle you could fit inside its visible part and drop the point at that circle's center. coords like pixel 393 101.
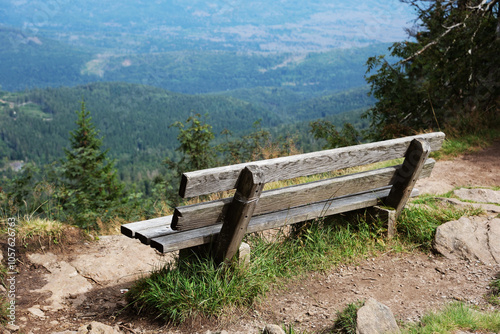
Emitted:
pixel 410 284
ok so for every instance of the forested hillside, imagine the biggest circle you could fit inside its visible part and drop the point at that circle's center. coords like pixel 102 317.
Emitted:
pixel 28 61
pixel 135 119
pixel 35 62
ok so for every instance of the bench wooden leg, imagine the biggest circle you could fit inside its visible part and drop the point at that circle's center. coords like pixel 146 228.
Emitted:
pixel 388 215
pixel 240 211
pixel 408 174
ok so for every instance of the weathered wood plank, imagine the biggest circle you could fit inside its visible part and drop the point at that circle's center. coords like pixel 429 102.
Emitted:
pixel 179 240
pixel 146 235
pixel 224 178
pixel 240 211
pixel 131 229
pixel 408 174
pixel 211 213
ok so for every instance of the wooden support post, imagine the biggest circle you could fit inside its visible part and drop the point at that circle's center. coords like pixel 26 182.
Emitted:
pixel 234 227
pixel 384 214
pixel 407 176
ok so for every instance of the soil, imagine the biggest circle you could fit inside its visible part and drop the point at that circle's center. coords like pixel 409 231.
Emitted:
pixel 410 284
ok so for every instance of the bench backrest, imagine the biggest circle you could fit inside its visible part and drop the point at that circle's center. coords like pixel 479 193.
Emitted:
pixel 213 180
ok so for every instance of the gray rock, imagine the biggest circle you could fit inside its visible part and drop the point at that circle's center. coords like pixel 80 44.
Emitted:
pixel 35 310
pixel 488 208
pixel 472 238
pixel 273 329
pixel 478 195
pixel 98 328
pixel 375 318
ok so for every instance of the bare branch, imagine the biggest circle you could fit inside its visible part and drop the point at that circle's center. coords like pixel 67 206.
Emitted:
pixel 434 42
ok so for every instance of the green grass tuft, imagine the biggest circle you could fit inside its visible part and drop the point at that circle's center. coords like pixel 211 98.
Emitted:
pixel 200 288
pixel 418 223
pixel 346 322
pixel 455 317
pixel 494 294
pixel 453 147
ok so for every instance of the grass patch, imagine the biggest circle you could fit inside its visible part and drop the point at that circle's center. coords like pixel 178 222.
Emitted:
pixel 34 233
pixel 418 223
pixel 455 317
pixel 199 288
pixel 346 322
pixel 4 303
pixel 455 146
pixel 38 229
pixel 494 295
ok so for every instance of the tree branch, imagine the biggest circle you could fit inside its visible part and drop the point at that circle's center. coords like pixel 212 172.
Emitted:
pixel 434 42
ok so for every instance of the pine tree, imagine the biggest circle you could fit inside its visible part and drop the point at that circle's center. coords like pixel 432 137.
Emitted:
pixel 91 185
pixel 447 76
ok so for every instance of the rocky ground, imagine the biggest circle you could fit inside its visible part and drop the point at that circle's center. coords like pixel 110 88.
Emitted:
pixel 64 288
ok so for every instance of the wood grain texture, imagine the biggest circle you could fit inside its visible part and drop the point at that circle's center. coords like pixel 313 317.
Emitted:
pixel 239 213
pixel 211 213
pixel 408 174
pixel 131 229
pixel 185 239
pixel 147 234
pixel 224 178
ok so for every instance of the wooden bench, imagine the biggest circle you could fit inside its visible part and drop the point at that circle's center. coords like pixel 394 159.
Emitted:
pixel 223 223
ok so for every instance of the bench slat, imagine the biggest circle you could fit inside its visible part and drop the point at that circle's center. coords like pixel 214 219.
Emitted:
pixel 185 239
pixel 224 178
pixel 146 235
pixel 131 229
pixel 211 213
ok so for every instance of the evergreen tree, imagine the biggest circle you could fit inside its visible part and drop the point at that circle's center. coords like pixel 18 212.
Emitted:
pixel 447 76
pixel 326 130
pixel 195 139
pixel 91 187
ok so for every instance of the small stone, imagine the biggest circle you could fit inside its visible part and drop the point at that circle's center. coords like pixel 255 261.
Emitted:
pixel 36 312
pixel 13 328
pixel 273 329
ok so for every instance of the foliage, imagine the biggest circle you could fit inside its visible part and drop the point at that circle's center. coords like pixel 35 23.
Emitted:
pixel 347 318
pixel 195 137
pixel 31 191
pixel 456 317
pixel 447 76
pixel 326 130
pixel 246 147
pixel 90 187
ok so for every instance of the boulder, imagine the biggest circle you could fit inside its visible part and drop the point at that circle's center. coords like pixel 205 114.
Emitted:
pixel 488 208
pixel 472 238
pixel 375 318
pixel 478 195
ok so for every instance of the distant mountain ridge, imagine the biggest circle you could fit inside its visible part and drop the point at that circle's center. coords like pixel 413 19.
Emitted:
pixel 235 25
